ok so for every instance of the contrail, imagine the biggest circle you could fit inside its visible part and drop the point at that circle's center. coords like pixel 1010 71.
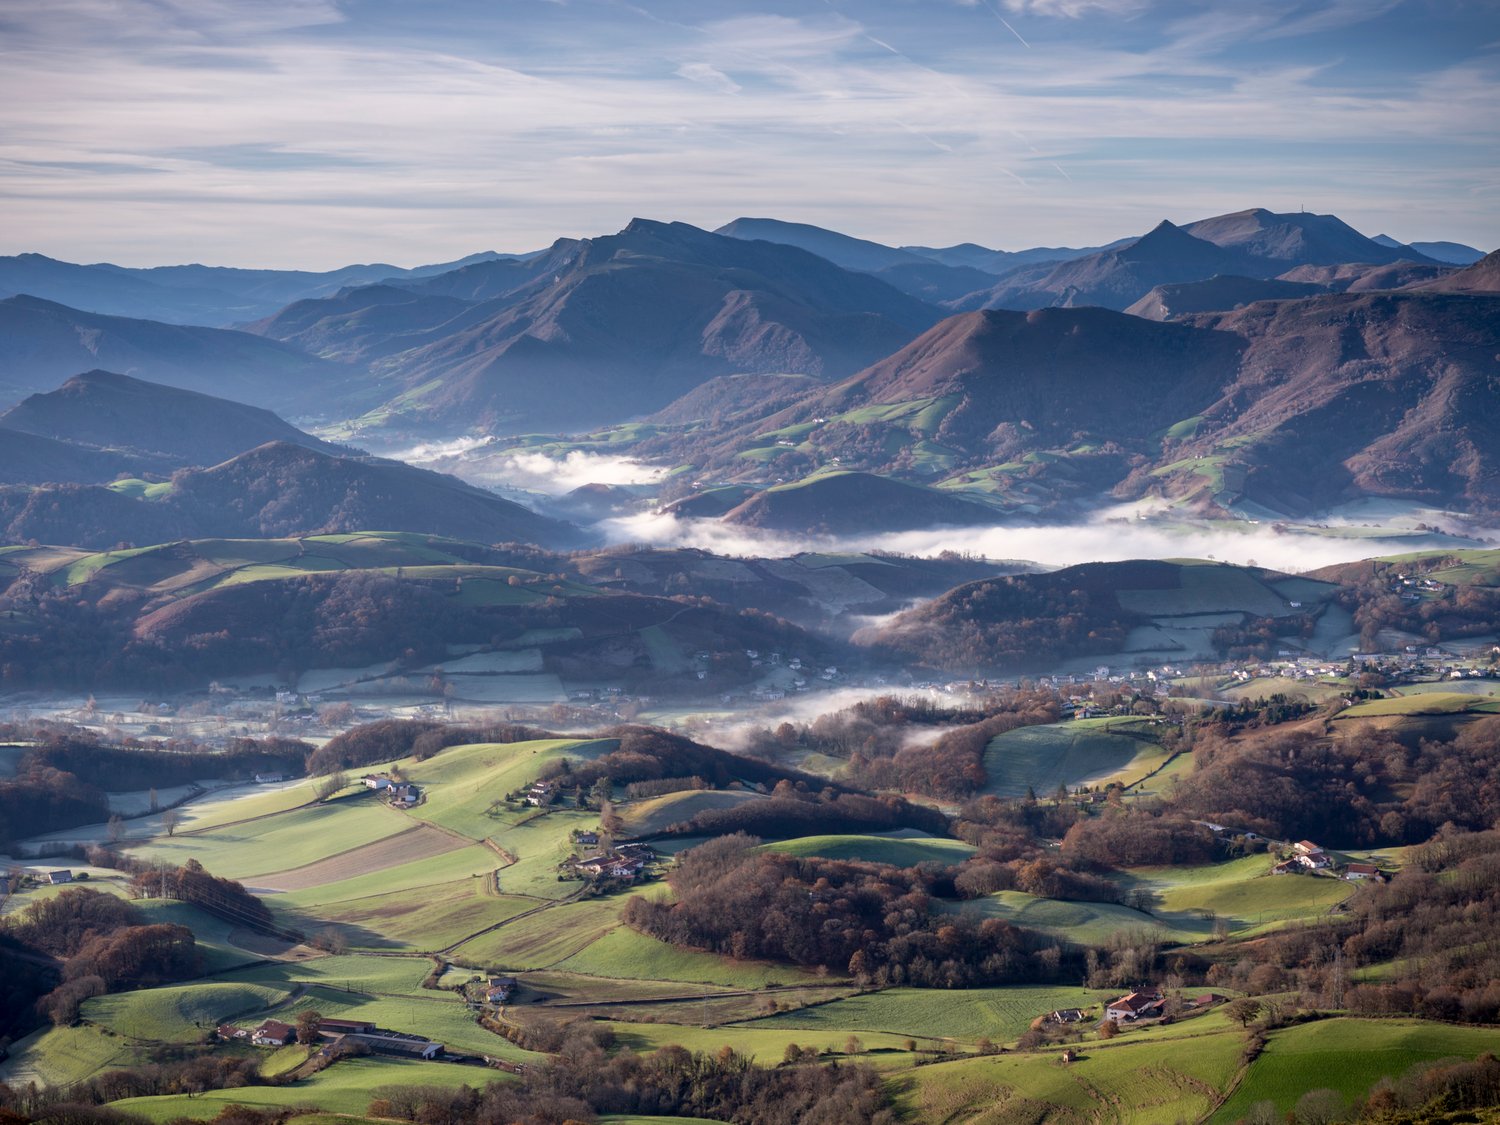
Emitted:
pixel 1060 171
pixel 1008 28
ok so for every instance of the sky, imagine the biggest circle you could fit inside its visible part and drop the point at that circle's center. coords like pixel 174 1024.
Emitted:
pixel 316 133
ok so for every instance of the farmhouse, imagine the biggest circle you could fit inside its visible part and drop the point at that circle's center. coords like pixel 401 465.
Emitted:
pixel 1357 871
pixel 1067 1015
pixel 501 989
pixel 625 862
pixel 1305 847
pixel 55 877
pixel 376 781
pixel 1142 1004
pixel 273 1033
pixel 539 794
pixel 1287 867
pixel 1314 860
pixel 269 778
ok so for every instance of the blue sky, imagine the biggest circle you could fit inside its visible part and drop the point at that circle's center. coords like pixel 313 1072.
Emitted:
pixel 314 133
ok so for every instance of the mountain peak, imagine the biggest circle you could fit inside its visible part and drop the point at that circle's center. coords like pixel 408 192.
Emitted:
pixel 1166 238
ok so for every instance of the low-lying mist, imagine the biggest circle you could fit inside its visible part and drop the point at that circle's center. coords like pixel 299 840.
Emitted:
pixel 1290 550
pixel 532 472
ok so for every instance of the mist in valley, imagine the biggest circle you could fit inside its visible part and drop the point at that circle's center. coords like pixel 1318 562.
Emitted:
pixel 1054 545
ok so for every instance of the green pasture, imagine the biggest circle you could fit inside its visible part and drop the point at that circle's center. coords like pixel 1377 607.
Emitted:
pixel 439 1015
pixel 656 814
pixel 1421 703
pixel 1242 893
pixel 85 568
pixel 346 1088
pixel 420 875
pixel 437 917
pixel 766 1045
pixel 392 976
pixel 243 802
pixel 280 842
pixel 1135 1082
pixel 1264 687
pixel 901 851
pixel 1082 923
pixel 1449 687
pixel 964 1014
pixel 57 1056
pixel 1347 1055
pixel 462 782
pixel 138 489
pixel 1180 431
pixel 622 952
pixel 546 938
pixel 1207 587
pixel 666 655
pixel 181 1013
pixel 211 934
pixel 1043 757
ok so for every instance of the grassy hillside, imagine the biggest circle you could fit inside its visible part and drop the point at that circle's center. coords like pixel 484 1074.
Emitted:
pixel 1346 1055
pixel 901 849
pixel 966 1015
pixel 345 1089
pixel 1084 751
pixel 1143 1083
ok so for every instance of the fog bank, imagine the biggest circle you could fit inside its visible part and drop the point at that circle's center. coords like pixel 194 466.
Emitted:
pixel 1290 550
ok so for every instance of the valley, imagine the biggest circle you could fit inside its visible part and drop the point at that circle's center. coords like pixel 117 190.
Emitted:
pixel 754 674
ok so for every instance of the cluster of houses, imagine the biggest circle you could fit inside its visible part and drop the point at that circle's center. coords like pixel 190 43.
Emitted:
pixel 401 794
pixel 276 1033
pixel 624 863
pixel 1307 856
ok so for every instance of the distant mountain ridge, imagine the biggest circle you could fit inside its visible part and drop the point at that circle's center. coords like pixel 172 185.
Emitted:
pixel 277 489
pixel 213 296
pixel 618 326
pixel 1256 243
pixel 108 411
pixel 42 343
pixel 1453 253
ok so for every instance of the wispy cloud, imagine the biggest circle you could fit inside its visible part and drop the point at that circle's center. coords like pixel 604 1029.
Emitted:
pixel 308 132
pixel 1076 9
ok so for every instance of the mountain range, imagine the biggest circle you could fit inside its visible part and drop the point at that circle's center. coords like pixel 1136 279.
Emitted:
pixel 217 296
pixel 617 326
pixel 813 372
pixel 1290 405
